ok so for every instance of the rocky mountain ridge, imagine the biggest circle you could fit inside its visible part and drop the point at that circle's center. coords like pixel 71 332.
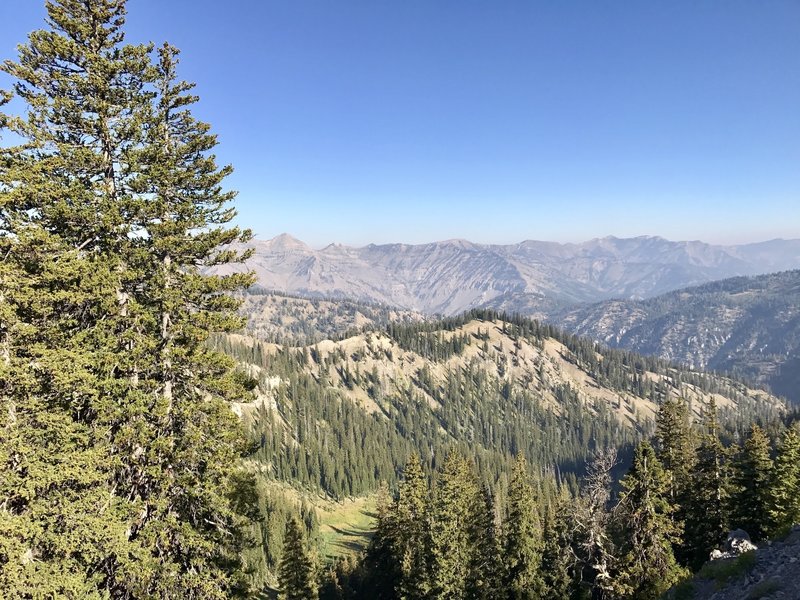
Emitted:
pixel 746 325
pixel 531 277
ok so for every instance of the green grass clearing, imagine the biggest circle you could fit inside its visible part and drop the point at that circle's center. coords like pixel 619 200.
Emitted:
pixel 346 527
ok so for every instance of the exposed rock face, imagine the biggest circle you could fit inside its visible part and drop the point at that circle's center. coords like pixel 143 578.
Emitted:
pixel 531 277
pixel 748 325
pixel 775 575
pixel 737 543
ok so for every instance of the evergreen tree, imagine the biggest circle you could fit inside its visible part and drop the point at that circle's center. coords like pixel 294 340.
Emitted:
pixel 110 208
pixel 647 566
pixel 483 573
pixel 560 563
pixel 785 489
pixel 380 567
pixel 522 552
pixel 296 578
pixel 182 384
pixel 706 513
pixel 409 532
pixel 675 447
pixel 752 485
pixel 452 545
pixel 58 521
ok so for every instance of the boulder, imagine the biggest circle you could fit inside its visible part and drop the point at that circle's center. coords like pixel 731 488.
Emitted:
pixel 738 542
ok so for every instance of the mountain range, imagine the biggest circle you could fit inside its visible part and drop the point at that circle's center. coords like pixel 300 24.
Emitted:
pixel 532 277
pixel 744 325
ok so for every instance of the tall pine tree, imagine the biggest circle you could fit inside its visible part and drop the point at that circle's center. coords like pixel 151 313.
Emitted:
pixel 785 489
pixel 110 207
pixel 409 534
pixel 296 579
pixel 60 217
pixel 455 505
pixel 752 485
pixel 647 566
pixel 675 448
pixel 522 552
pixel 706 511
pixel 483 573
pixel 560 562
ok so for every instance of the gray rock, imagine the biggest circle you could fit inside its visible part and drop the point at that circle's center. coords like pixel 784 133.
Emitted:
pixel 738 542
pixel 775 573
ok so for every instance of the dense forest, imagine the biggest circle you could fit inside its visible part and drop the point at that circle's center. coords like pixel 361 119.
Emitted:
pixel 341 419
pixel 452 538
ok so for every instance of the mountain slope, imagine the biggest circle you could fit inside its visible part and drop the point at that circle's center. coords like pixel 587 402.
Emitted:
pixel 340 417
pixel 332 420
pixel 292 319
pixel 531 277
pixel 771 571
pixel 745 325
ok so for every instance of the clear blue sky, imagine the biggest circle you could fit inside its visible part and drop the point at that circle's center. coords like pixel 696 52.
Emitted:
pixel 416 120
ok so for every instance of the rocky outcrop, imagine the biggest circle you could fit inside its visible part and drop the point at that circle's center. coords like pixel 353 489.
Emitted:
pixel 771 572
pixel 737 543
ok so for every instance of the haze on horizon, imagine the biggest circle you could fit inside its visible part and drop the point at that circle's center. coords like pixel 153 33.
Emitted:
pixel 287 239
pixel 358 122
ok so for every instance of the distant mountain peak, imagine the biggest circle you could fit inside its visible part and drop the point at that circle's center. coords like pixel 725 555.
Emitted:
pixel 458 242
pixel 287 243
pixel 334 246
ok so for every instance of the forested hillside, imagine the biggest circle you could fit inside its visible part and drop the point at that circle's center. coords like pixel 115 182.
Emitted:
pixel 294 320
pixel 456 538
pixel 337 418
pixel 745 325
pixel 501 385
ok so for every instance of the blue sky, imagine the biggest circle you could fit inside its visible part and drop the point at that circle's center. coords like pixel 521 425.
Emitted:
pixel 418 120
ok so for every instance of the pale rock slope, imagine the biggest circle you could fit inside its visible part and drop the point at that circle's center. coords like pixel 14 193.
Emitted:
pixel 531 277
